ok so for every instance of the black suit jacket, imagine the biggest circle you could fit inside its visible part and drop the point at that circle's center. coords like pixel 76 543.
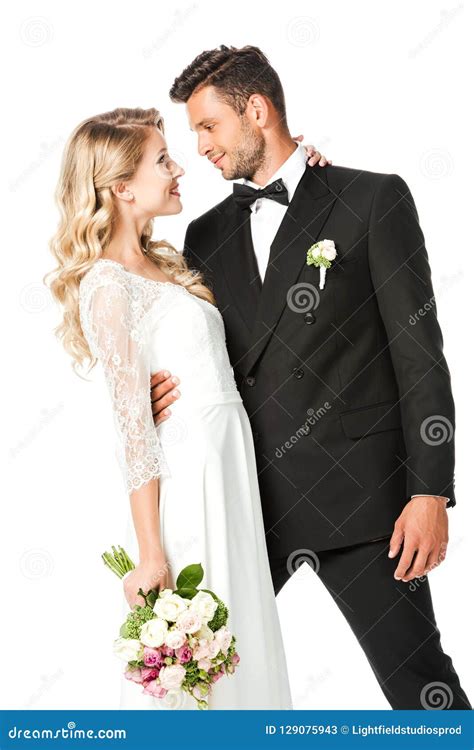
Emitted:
pixel 347 388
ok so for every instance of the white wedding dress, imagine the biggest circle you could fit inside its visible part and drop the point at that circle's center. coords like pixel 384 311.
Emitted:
pixel 210 509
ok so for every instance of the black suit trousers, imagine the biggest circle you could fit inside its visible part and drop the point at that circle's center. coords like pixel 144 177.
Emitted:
pixel 393 621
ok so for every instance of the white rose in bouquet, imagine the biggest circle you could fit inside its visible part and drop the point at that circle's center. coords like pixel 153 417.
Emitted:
pixel 204 604
pixel 153 632
pixel 169 607
pixel 205 632
pixel 128 649
pixel 175 638
pixel 172 677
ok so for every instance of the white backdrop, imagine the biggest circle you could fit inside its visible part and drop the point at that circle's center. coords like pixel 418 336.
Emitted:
pixel 378 86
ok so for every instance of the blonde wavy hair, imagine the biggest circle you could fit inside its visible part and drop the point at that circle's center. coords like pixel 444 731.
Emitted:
pixel 102 151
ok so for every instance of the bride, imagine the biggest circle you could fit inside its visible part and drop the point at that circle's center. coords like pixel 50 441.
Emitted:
pixel 132 304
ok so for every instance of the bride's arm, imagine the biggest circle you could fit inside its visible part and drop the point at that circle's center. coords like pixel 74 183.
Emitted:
pixel 118 338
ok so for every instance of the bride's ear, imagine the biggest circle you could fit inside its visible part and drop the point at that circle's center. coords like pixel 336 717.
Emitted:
pixel 122 191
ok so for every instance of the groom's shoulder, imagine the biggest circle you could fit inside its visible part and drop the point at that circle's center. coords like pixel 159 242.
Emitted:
pixel 363 182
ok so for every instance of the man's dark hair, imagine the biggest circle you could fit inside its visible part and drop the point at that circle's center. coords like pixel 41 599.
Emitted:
pixel 236 73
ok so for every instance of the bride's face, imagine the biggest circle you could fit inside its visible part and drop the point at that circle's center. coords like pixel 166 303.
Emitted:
pixel 155 185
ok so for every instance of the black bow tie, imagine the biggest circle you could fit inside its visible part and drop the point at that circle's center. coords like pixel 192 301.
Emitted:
pixel 244 195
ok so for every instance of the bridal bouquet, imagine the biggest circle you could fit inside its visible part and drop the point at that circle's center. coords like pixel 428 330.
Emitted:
pixel 177 642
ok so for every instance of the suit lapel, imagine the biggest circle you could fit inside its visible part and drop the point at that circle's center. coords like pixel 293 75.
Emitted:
pixel 299 229
pixel 240 264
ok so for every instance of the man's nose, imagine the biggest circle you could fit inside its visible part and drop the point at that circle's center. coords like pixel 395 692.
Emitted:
pixel 204 147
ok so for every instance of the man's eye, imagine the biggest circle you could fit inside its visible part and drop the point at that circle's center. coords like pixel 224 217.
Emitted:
pixel 209 127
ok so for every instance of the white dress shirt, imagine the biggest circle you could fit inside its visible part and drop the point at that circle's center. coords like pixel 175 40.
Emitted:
pixel 267 214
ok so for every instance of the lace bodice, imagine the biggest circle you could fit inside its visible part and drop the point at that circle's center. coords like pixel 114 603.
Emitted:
pixel 136 326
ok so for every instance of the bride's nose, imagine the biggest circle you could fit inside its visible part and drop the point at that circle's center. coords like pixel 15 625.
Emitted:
pixel 178 171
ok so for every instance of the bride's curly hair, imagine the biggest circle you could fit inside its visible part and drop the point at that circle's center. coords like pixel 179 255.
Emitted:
pixel 102 151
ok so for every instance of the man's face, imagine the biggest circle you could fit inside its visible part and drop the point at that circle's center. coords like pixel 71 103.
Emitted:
pixel 233 144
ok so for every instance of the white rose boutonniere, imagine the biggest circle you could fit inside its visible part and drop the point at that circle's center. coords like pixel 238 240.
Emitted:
pixel 321 254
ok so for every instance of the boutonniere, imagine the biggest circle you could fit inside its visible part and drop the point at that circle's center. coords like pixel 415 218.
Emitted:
pixel 321 254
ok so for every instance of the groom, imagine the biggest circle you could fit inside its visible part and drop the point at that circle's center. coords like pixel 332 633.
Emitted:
pixel 340 366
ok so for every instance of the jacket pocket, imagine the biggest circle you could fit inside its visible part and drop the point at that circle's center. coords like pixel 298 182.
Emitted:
pixel 368 420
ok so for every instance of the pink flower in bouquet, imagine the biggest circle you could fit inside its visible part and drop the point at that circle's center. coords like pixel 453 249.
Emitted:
pixel 149 673
pixel 235 659
pixel 217 675
pixel 172 677
pixel 202 649
pixel 154 689
pixel 214 648
pixel 152 657
pixel 223 637
pixel 167 651
pixel 134 674
pixel 189 621
pixel 184 654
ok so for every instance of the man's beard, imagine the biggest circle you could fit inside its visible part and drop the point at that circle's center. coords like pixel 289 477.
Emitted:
pixel 249 156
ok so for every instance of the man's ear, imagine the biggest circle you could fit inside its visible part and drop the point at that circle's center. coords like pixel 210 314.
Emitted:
pixel 257 110
pixel 122 191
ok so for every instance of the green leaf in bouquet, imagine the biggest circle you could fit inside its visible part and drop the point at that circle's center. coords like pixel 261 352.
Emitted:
pixel 190 577
pixel 151 597
pixel 187 593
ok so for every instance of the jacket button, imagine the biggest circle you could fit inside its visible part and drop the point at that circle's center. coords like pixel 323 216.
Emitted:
pixel 309 318
pixel 250 380
pixel 298 372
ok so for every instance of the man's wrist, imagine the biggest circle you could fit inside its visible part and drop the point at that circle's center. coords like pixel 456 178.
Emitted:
pixel 439 497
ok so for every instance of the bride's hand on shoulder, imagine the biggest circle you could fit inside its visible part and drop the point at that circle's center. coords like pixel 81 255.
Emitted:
pixel 314 156
pixel 149 574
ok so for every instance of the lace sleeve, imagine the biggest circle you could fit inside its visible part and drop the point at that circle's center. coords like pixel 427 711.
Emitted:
pixel 113 322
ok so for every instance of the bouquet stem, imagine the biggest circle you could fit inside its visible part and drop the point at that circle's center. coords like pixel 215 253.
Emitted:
pixel 118 562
